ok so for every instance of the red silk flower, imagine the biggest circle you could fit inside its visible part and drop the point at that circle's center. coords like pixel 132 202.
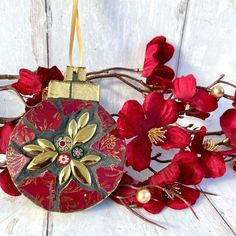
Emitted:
pixel 150 124
pixel 228 124
pixel 33 83
pixel 7 185
pixel 158 52
pixel 5 133
pixel 161 78
pixel 5 179
pixel 185 89
pixel 128 194
pixel 212 162
pixel 234 166
pixel 167 178
pixel 28 82
pixel 191 172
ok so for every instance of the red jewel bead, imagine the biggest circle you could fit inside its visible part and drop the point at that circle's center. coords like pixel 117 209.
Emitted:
pixel 62 143
pixel 63 159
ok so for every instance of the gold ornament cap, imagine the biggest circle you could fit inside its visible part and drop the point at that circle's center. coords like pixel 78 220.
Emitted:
pixel 74 86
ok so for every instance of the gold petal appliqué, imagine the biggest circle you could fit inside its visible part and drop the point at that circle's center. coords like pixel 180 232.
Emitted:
pixel 90 159
pixel 33 149
pixel 83 120
pixel 46 144
pixel 64 175
pixel 72 128
pixel 80 172
pixel 85 134
pixel 42 160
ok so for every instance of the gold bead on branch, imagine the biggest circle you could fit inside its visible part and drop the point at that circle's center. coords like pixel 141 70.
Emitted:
pixel 143 195
pixel 217 91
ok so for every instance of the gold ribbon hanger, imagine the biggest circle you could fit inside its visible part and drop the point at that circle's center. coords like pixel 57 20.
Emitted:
pixel 75 26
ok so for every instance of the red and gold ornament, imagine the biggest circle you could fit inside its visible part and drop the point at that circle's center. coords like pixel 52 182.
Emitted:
pixel 64 160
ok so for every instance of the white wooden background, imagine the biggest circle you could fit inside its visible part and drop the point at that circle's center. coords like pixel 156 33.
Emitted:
pixel 115 32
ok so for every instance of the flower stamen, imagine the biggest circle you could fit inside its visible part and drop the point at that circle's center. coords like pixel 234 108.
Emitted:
pixel 209 145
pixel 156 135
pixel 187 107
pixel 172 190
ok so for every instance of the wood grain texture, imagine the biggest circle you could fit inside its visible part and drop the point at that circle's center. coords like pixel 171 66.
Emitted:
pixel 22 44
pixel 209 50
pixel 115 34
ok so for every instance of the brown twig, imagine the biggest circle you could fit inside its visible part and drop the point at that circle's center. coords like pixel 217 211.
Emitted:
pixel 140 216
pixel 9 119
pixel 228 83
pixel 215 82
pixel 136 70
pixel 161 161
pixel 152 170
pixel 220 132
pixel 167 191
pixel 8 77
pixel 101 76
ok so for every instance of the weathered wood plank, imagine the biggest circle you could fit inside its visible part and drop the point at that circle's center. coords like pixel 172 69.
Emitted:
pixel 115 33
pixel 22 44
pixel 208 50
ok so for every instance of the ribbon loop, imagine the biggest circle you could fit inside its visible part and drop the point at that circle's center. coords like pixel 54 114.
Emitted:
pixel 75 26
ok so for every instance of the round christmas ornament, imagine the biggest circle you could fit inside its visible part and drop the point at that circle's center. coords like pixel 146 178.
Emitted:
pixel 65 153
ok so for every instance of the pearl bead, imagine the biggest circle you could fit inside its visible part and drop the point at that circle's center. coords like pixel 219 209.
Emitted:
pixel 143 195
pixel 217 91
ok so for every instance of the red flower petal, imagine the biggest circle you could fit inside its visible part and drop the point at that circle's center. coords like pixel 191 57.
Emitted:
pixel 159 112
pixel 197 142
pixel 161 76
pixel 189 194
pixel 5 133
pixel 167 176
pixel 169 112
pixel 7 185
pixel 158 52
pixel 234 103
pixel 203 101
pixel 197 114
pixel 48 74
pixel 193 112
pixel 159 82
pixel 234 166
pixel 131 121
pixel 154 206
pixel 138 153
pixel 164 72
pixel 176 138
pixel 33 101
pixel 28 82
pixel 228 124
pixel 127 192
pixel 213 164
pixel 184 87
pixel 191 172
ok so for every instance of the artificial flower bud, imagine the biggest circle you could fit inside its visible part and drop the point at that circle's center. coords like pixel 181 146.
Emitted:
pixel 143 196
pixel 217 91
